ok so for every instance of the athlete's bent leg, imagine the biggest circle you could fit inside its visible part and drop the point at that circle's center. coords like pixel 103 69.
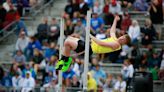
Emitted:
pixel 64 63
pixel 70 44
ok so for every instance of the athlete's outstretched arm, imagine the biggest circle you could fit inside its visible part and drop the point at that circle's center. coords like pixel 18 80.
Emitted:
pixel 112 45
pixel 112 30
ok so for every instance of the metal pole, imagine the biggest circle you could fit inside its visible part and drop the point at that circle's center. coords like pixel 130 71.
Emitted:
pixel 60 51
pixel 86 58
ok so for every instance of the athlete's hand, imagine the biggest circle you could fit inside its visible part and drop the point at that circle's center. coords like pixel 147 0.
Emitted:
pixel 74 55
pixel 117 18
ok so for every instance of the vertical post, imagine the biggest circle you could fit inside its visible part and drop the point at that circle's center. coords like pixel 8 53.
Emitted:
pixel 86 58
pixel 60 51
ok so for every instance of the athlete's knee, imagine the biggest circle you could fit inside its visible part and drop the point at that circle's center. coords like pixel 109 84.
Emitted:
pixel 66 43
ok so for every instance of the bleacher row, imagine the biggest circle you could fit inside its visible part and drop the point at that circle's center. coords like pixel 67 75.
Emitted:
pixel 108 68
pixel 29 13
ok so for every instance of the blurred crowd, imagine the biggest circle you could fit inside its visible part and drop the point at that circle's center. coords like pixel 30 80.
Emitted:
pixel 35 56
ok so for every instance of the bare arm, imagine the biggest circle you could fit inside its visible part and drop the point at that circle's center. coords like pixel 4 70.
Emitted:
pixel 77 54
pixel 153 7
pixel 112 45
pixel 112 30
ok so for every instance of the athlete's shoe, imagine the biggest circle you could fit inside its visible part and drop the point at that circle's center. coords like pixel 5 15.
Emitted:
pixel 66 65
pixel 59 65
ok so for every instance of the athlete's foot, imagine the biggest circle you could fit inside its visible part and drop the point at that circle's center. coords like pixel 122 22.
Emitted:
pixel 59 65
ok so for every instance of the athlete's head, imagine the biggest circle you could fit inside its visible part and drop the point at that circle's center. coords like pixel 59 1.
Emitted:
pixel 125 39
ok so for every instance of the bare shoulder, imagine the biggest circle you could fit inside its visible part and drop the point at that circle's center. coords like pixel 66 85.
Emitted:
pixel 116 45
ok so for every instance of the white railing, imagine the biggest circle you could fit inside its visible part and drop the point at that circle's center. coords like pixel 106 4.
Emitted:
pixel 9 29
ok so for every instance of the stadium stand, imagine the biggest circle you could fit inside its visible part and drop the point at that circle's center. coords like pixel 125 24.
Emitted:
pixel 35 56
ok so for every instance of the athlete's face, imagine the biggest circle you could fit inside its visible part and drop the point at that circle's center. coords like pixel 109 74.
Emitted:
pixel 122 40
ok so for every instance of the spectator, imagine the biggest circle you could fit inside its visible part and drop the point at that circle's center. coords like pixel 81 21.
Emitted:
pixel 98 74
pixel 154 60
pixel 22 42
pixel 50 65
pixel 130 70
pixel 109 84
pixel 8 6
pixel 149 33
pixel 75 18
pixel 91 83
pixel 83 8
pixel 115 7
pixel 27 69
pixel 120 85
pixel 42 30
pixel 52 86
pixel 127 4
pixel 124 70
pixel 50 51
pixel 76 67
pixel 140 5
pixel 101 35
pixel 127 72
pixel 94 62
pixel 70 8
pixel 134 32
pixel 97 23
pixel 17 82
pixel 68 28
pixel 19 59
pixel 154 72
pixel 126 22
pixel 33 43
pixel 49 77
pixel 80 29
pixel 28 83
pixel 14 69
pixel 75 82
pixel 21 27
pixel 10 17
pixel 106 7
pixel 156 13
pixel 97 8
pixel 153 64
pixel 6 80
pixel 144 58
pixel 54 31
pixel 37 59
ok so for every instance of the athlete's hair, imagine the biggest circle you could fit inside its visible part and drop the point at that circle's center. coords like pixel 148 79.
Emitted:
pixel 128 39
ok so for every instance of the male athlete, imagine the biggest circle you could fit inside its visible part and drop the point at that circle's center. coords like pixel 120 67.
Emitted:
pixel 107 45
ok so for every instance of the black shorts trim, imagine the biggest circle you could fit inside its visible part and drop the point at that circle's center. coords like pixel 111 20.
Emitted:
pixel 81 47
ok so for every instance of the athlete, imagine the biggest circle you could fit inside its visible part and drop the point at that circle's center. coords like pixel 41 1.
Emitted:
pixel 107 45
